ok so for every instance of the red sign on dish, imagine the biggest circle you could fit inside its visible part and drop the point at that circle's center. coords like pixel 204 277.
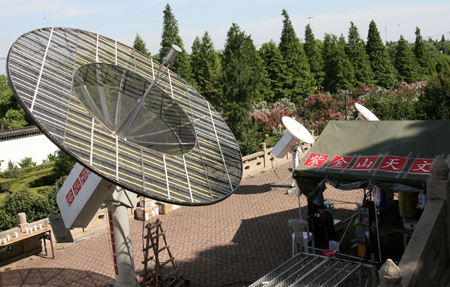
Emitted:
pixel 84 175
pixel 315 160
pixel 421 165
pixel 393 163
pixel 365 163
pixel 340 162
pixel 76 186
pixel 70 197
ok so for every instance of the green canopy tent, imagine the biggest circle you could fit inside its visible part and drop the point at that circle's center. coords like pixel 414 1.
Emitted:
pixel 394 155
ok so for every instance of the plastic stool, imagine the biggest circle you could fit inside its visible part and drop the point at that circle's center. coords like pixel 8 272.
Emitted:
pixel 330 253
pixel 329 206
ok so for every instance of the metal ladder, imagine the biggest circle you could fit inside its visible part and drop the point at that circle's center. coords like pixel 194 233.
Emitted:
pixel 155 240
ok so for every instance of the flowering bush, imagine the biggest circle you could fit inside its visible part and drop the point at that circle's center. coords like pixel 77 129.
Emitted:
pixel 398 104
pixel 319 109
pixel 269 116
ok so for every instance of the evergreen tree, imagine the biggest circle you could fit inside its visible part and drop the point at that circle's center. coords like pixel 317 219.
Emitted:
pixel 169 31
pixel 339 73
pixel 205 66
pixel 182 66
pixel 443 38
pixel 356 52
pixel 139 45
pixel 170 36
pixel 299 81
pixel 422 56
pixel 382 66
pixel 314 56
pixel 276 69
pixel 243 84
pixel 404 62
pixel 11 114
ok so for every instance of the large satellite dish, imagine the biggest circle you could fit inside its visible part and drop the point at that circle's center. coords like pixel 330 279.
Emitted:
pixel 365 114
pixel 295 133
pixel 85 92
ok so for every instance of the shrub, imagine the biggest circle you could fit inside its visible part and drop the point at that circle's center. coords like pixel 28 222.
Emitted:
pixel 318 109
pixel 268 116
pixel 12 171
pixel 27 162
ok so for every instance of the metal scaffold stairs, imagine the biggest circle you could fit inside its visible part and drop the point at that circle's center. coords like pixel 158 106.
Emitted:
pixel 155 241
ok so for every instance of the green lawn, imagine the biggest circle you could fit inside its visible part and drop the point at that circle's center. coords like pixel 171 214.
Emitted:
pixel 32 178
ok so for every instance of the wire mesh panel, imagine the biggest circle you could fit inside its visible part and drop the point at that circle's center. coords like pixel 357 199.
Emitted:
pixel 309 270
pixel 79 87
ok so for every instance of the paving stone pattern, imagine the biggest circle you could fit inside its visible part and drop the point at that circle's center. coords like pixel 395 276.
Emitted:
pixel 231 243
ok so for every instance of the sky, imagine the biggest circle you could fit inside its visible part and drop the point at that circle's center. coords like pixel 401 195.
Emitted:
pixel 262 19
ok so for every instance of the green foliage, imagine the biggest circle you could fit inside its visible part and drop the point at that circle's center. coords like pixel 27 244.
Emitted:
pixel 11 114
pixel 206 68
pixel 339 73
pixel 243 82
pixel 434 103
pixel 12 171
pixel 169 31
pixel 276 67
pixel 35 205
pixel 317 110
pixel 63 165
pixel 314 55
pixel 245 129
pixel 52 157
pixel 422 56
pixel 181 66
pixel 404 63
pixel 27 162
pixel 139 45
pixel 382 66
pixel 299 81
pixel 398 104
pixel 269 116
pixel 242 79
pixel 356 52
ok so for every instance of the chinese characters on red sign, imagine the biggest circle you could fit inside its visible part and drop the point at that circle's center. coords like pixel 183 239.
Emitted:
pixel 365 163
pixel 389 163
pixel 393 163
pixel 340 162
pixel 421 165
pixel 315 160
pixel 77 185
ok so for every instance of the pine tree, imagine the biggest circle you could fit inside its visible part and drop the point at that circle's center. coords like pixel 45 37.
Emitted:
pixel 422 56
pixel 299 81
pixel 205 67
pixel 169 31
pixel 243 84
pixel 139 45
pixel 443 38
pixel 380 62
pixel 276 69
pixel 314 56
pixel 170 36
pixel 339 73
pixel 404 62
pixel 356 52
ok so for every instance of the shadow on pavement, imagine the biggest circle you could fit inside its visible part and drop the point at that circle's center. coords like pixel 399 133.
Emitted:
pixel 52 277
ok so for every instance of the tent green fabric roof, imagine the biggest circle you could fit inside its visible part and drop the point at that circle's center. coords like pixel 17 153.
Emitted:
pixel 395 155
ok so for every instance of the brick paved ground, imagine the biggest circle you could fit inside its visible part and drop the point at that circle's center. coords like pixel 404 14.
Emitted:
pixel 232 243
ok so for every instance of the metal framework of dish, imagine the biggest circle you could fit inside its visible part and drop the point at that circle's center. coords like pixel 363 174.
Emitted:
pixel 79 87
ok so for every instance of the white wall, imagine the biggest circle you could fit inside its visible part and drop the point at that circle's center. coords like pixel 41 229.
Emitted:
pixel 36 147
